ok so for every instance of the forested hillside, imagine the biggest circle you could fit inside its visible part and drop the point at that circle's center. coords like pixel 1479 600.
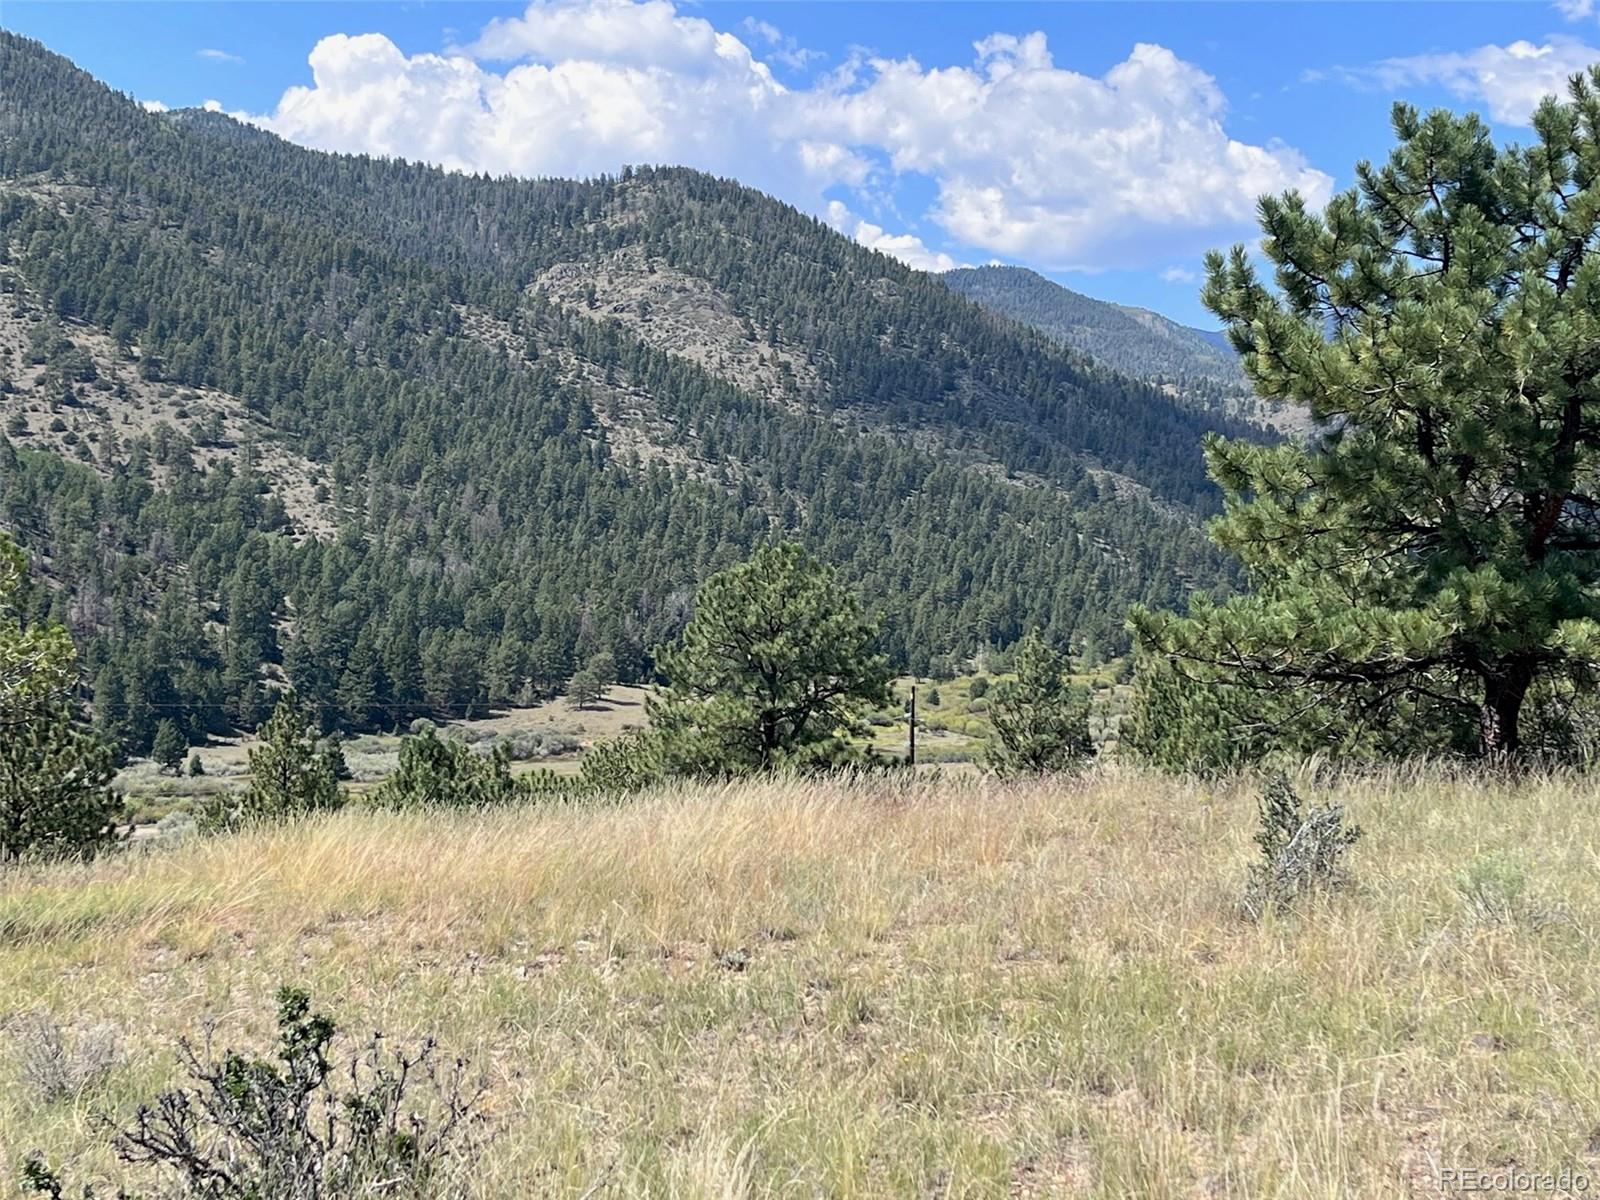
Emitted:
pixel 420 442
pixel 1134 341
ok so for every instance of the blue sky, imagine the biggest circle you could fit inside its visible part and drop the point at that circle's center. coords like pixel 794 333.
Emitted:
pixel 1104 144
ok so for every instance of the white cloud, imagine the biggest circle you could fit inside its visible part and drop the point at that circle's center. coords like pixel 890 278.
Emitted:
pixel 1179 275
pixel 833 163
pixel 1575 10
pixel 154 106
pixel 1510 80
pixel 907 248
pixel 212 105
pixel 780 47
pixel 1026 159
pixel 218 55
pixel 1064 169
pixel 599 106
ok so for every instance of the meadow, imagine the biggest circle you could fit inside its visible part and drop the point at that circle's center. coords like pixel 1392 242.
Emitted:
pixel 553 736
pixel 923 986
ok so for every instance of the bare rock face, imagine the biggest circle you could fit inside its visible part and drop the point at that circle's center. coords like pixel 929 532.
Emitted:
pixel 685 316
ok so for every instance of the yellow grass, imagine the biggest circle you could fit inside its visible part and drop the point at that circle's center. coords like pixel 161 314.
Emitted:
pixel 954 987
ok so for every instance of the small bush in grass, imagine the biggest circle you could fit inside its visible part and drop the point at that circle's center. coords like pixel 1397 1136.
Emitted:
pixel 1494 887
pixel 302 1125
pixel 1301 849
pixel 176 827
pixel 58 1067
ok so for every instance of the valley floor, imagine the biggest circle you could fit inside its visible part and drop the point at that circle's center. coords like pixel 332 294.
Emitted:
pixel 929 987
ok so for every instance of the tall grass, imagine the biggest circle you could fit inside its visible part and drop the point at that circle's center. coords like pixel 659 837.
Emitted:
pixel 930 987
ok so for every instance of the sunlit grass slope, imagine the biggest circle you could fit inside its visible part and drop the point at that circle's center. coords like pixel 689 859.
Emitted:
pixel 939 988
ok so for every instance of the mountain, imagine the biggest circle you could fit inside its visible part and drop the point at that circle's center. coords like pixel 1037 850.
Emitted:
pixel 420 442
pixel 1135 341
pixel 216 124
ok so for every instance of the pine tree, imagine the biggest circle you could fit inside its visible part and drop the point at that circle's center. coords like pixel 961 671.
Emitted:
pixel 585 689
pixel 438 773
pixel 54 770
pixel 291 772
pixel 777 662
pixel 1040 721
pixel 169 747
pixel 1433 555
pixel 602 664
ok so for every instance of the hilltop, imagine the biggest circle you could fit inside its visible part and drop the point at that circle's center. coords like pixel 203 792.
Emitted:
pixel 1196 366
pixel 1135 341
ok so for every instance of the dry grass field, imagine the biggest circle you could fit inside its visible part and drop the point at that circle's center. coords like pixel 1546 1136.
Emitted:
pixel 931 987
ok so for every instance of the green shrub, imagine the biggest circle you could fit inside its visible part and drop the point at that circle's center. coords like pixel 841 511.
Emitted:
pixel 439 773
pixel 1494 887
pixel 293 771
pixel 303 1125
pixel 1301 849
pixel 624 764
pixel 1040 721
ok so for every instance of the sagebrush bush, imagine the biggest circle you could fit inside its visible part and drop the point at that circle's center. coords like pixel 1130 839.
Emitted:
pixel 60 1067
pixel 537 743
pixel 1494 887
pixel 301 1126
pixel 1301 849
pixel 175 827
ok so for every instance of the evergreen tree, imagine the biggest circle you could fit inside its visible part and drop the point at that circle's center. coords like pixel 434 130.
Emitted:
pixel 1433 556
pixel 776 664
pixel 603 666
pixel 1183 727
pixel 435 772
pixel 169 747
pixel 54 771
pixel 1040 721
pixel 291 772
pixel 585 689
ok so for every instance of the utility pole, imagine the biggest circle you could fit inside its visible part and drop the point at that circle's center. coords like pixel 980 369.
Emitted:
pixel 911 756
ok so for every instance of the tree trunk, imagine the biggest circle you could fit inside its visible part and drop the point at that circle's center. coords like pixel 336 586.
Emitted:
pixel 769 737
pixel 1504 690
